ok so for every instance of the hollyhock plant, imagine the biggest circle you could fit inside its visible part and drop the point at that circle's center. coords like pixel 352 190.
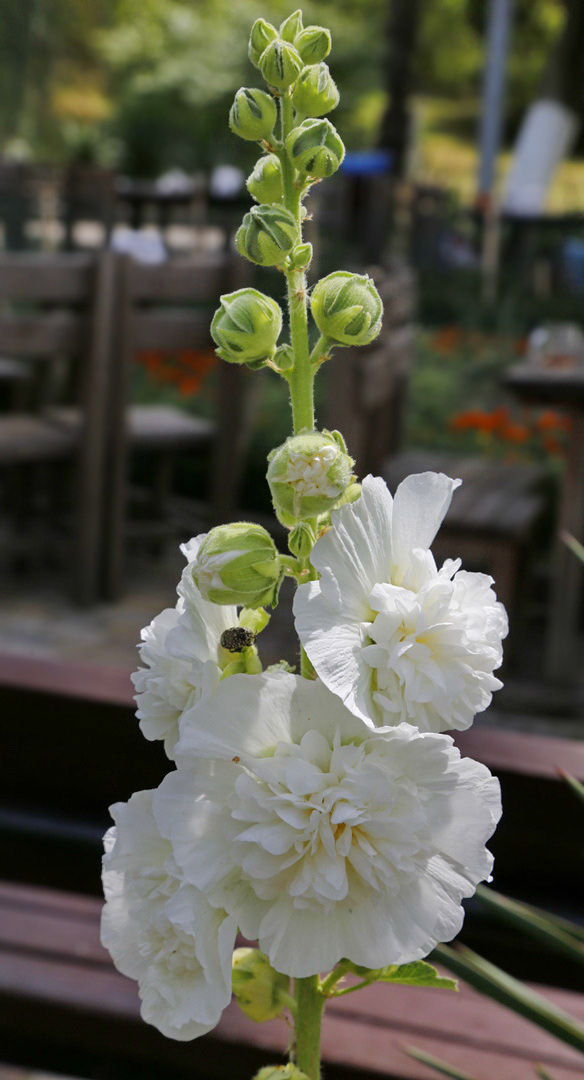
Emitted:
pixel 323 814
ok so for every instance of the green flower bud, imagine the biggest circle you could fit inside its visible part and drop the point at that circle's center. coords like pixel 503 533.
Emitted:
pixel 262 33
pixel 246 327
pixel 280 1072
pixel 315 148
pixel 280 64
pixel 315 92
pixel 258 988
pixel 253 114
pixel 291 26
pixel 301 540
pixel 301 256
pixel 347 308
pixel 238 564
pixel 267 235
pixel 307 476
pixel 284 357
pixel 313 44
pixel 264 183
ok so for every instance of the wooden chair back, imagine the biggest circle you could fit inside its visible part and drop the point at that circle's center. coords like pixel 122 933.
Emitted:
pixel 169 306
pixel 55 307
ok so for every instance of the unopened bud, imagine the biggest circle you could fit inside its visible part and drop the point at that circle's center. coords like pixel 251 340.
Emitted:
pixel 284 357
pixel 262 33
pixel 307 475
pixel 261 992
pixel 315 93
pixel 315 148
pixel 313 44
pixel 267 235
pixel 238 564
pixel 253 114
pixel 280 64
pixel 246 327
pixel 264 183
pixel 280 1072
pixel 291 26
pixel 301 540
pixel 347 308
pixel 301 256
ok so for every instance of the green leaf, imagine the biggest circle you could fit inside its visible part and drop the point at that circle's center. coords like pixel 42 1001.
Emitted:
pixel 533 922
pixel 497 984
pixel 418 973
pixel 437 1064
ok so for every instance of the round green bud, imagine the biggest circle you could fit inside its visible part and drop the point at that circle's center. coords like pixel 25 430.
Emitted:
pixel 315 93
pixel 307 476
pixel 291 26
pixel 301 256
pixel 301 540
pixel 313 44
pixel 253 114
pixel 347 308
pixel 262 33
pixel 246 327
pixel 280 64
pixel 280 1072
pixel 266 235
pixel 238 564
pixel 284 357
pixel 315 148
pixel 260 991
pixel 264 183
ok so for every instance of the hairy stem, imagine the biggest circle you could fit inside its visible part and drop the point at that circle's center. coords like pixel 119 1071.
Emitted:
pixel 309 1006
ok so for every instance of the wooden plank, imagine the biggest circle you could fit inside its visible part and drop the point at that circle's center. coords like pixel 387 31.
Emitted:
pixel 87 682
pixel 45 335
pixel 46 278
pixel 25 439
pixel 180 279
pixel 171 328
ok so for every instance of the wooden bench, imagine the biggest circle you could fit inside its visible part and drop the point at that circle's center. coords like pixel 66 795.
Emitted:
pixel 63 1006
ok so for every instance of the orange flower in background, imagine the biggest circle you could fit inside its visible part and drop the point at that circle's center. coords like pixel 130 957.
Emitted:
pixel 447 339
pixel 544 432
pixel 186 369
pixel 516 433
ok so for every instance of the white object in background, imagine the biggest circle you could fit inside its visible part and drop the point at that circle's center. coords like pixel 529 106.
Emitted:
pixel 226 181
pixel 545 139
pixel 144 245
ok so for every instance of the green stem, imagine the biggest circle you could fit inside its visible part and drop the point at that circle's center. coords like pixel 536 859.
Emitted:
pixel 310 1003
pixel 301 378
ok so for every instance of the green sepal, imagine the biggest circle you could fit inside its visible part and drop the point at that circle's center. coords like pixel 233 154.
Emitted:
pixel 313 43
pixel 280 64
pixel 262 33
pixel 291 26
pixel 418 973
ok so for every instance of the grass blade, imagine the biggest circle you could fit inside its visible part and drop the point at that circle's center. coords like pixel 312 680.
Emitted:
pixel 501 987
pixel 575 785
pixel 435 1063
pixel 532 922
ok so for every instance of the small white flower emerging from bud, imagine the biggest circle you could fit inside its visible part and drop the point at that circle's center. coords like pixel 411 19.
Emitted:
pixel 313 44
pixel 261 992
pixel 262 33
pixel 246 327
pixel 315 93
pixel 315 148
pixel 264 183
pixel 267 235
pixel 307 475
pixel 238 564
pixel 347 308
pixel 280 64
pixel 253 114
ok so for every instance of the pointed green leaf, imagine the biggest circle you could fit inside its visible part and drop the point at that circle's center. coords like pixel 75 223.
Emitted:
pixel 497 984
pixel 418 973
pixel 435 1063
pixel 533 922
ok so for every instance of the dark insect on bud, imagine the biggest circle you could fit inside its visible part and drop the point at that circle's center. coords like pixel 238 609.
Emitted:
pixel 237 638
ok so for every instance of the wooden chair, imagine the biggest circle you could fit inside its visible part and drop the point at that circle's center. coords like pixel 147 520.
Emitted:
pixel 169 306
pixel 58 308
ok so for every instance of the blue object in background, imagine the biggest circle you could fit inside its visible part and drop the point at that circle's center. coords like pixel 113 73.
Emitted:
pixel 367 162
pixel 573 263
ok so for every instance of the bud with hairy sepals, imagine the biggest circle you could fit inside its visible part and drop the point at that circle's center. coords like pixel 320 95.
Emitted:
pixel 253 114
pixel 239 564
pixel 261 992
pixel 315 148
pixel 313 44
pixel 264 182
pixel 267 235
pixel 262 33
pixel 246 327
pixel 307 476
pixel 280 64
pixel 315 93
pixel 347 308
pixel 292 26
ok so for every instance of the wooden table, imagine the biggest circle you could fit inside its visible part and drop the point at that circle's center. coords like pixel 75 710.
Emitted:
pixel 565 389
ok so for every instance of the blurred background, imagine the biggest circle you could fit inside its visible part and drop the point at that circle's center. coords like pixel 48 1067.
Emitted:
pixel 122 435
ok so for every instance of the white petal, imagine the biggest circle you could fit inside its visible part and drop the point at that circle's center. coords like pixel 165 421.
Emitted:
pixel 419 508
